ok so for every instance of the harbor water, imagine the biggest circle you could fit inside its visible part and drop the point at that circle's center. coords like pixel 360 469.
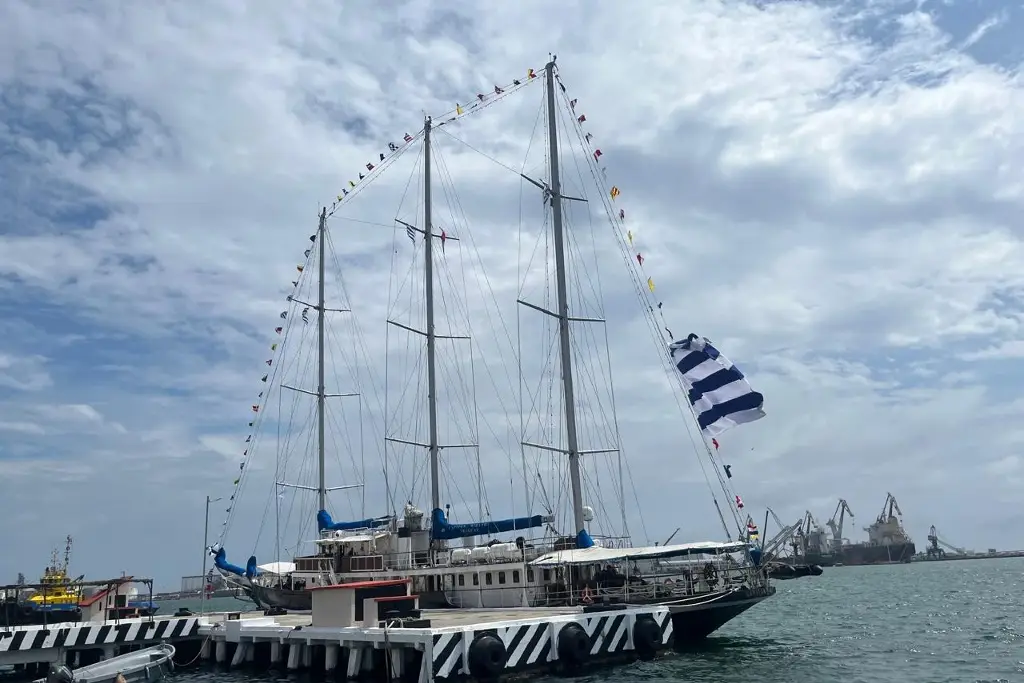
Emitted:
pixel 939 622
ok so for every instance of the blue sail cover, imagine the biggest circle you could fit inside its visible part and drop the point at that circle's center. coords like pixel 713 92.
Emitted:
pixel 325 523
pixel 220 560
pixel 441 530
pixel 583 539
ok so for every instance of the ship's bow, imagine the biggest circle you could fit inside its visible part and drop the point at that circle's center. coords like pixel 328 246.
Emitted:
pixel 693 622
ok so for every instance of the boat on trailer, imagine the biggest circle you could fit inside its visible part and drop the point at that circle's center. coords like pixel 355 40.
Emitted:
pixel 716 582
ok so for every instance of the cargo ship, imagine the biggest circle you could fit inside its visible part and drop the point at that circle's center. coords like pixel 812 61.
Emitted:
pixel 887 542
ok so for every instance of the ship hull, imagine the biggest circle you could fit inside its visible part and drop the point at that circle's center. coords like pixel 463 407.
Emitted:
pixel 861 554
pixel 692 624
pixel 13 613
pixel 292 600
pixel 895 553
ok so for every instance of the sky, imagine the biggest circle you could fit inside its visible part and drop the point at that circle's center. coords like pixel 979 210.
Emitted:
pixel 830 191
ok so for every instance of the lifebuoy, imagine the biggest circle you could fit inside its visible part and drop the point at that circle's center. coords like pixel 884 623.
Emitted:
pixel 487 657
pixel 573 645
pixel 646 636
pixel 710 573
pixel 587 597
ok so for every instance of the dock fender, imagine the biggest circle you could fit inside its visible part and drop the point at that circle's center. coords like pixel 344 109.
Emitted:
pixel 573 645
pixel 646 636
pixel 487 657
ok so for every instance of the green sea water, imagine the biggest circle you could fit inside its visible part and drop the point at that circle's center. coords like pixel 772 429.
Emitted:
pixel 939 622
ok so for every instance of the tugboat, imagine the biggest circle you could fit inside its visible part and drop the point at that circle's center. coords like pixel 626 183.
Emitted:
pixel 56 598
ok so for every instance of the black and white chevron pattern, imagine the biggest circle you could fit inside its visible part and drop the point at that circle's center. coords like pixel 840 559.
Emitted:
pixel 526 644
pixel 95 635
pixel 530 644
pixel 448 651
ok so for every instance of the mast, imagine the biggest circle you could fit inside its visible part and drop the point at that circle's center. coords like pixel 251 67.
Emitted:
pixel 321 396
pixel 428 274
pixel 563 305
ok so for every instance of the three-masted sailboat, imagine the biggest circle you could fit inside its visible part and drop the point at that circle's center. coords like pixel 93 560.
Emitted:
pixel 705 584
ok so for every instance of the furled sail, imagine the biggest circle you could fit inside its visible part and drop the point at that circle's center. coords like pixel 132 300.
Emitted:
pixel 325 523
pixel 719 393
pixel 441 530
pixel 221 562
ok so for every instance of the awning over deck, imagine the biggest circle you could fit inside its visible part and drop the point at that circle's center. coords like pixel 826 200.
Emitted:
pixel 596 555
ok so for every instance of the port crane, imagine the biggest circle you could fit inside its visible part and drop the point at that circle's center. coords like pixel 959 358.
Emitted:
pixel 937 547
pixel 809 536
pixel 786 532
pixel 842 509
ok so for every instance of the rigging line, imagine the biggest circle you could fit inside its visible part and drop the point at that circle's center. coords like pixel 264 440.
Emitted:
pixel 528 497
pixel 457 203
pixel 393 157
pixel 358 344
pixel 487 370
pixel 628 259
pixel 485 155
pixel 363 222
pixel 389 490
pixel 442 166
pixel 653 327
pixel 480 105
pixel 255 432
pixel 369 178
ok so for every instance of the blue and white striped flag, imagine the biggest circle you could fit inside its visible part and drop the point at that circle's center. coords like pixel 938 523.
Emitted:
pixel 719 393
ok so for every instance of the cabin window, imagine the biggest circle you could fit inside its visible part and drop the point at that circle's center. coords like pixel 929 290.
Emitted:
pixel 529 576
pixel 547 575
pixel 515 576
pixel 462 579
pixel 476 579
pixel 490 579
pixel 501 577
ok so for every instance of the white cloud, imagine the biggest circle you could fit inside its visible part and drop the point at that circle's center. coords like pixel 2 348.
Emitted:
pixel 25 373
pixel 838 209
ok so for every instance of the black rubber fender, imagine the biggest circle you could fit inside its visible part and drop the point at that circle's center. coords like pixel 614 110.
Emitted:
pixel 487 657
pixel 646 636
pixel 573 645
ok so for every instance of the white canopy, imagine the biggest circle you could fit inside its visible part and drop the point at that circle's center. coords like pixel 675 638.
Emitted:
pixel 346 537
pixel 595 554
pixel 277 567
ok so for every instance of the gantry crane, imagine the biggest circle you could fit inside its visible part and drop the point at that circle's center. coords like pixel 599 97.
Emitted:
pixel 936 546
pixel 842 509
pixel 772 546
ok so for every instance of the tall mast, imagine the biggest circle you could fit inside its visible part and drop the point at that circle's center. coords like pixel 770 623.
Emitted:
pixel 428 274
pixel 321 395
pixel 563 305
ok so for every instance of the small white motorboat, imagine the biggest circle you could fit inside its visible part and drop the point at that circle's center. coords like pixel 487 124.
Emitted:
pixel 143 666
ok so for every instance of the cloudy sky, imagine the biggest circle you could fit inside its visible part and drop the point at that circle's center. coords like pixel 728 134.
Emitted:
pixel 831 191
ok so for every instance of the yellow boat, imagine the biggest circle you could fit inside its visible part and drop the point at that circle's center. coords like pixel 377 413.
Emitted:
pixel 57 589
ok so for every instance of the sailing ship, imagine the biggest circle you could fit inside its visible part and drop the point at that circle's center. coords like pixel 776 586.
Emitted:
pixel 705 584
